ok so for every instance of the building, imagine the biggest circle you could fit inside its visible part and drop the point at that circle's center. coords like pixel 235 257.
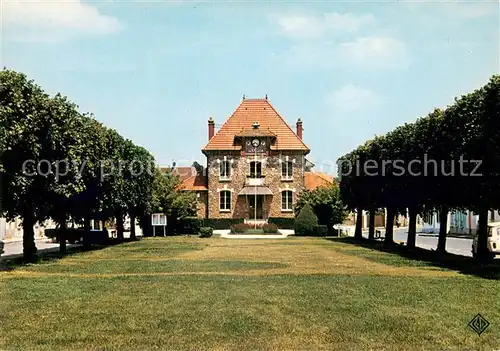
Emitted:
pixel 432 223
pixel 256 166
pixel 459 222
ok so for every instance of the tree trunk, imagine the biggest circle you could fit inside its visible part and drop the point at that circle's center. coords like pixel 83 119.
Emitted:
pixel 29 247
pixel 358 232
pixel 62 236
pixel 119 227
pixel 483 254
pixel 371 225
pixel 86 231
pixel 443 230
pixel 412 228
pixel 389 226
pixel 132 227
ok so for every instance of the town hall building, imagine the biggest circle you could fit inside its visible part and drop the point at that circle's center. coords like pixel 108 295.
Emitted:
pixel 256 166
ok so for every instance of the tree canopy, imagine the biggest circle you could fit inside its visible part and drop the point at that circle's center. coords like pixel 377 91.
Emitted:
pixel 446 160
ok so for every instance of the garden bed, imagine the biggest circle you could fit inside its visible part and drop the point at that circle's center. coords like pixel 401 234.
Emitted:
pixel 252 229
pixel 254 232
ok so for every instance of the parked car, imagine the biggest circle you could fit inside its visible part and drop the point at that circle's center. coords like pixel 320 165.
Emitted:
pixel 493 242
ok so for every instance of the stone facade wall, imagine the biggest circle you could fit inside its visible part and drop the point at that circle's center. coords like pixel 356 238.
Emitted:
pixel 201 203
pixel 240 169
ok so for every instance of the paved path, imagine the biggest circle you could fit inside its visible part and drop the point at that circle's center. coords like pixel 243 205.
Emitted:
pixel 458 246
pixel 16 248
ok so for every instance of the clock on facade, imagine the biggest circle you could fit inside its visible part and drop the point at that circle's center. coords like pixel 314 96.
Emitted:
pixel 255 142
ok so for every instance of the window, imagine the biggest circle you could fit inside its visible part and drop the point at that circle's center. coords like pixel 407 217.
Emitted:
pixel 286 200
pixel 95 225
pixel 286 170
pixel 225 170
pixel 225 200
pixel 255 169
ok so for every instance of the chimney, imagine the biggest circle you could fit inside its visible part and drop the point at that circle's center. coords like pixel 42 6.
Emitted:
pixel 211 128
pixel 299 128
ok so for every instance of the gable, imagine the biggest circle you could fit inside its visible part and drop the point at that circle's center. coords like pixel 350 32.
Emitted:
pixel 249 112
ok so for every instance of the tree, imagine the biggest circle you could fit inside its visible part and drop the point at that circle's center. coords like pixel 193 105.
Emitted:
pixel 23 109
pixel 170 200
pixel 140 180
pixel 326 204
pixel 306 221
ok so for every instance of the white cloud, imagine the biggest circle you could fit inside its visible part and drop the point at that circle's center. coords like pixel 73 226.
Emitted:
pixel 339 39
pixel 37 19
pixel 303 26
pixel 365 53
pixel 376 52
pixel 352 98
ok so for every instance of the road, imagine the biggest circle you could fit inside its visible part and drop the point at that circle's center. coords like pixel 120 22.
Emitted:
pixel 458 246
pixel 16 248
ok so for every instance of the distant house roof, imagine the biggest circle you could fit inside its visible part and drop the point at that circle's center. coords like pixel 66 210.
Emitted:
pixel 182 172
pixel 240 123
pixel 195 183
pixel 313 180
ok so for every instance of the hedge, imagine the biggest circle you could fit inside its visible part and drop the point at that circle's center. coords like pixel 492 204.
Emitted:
pixel 77 234
pixel 321 230
pixel 221 223
pixel 189 225
pixel 282 222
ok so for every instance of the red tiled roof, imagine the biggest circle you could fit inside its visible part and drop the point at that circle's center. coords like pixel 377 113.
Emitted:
pixel 249 112
pixel 313 180
pixel 182 172
pixel 197 183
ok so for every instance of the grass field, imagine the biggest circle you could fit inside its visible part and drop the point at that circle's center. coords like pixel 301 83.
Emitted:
pixel 186 293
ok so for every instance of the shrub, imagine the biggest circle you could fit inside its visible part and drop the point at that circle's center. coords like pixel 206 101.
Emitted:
pixel 282 222
pixel 321 230
pixel 270 228
pixel 51 234
pixel 189 225
pixel 306 221
pixel 206 232
pixel 100 237
pixel 239 228
pixel 221 223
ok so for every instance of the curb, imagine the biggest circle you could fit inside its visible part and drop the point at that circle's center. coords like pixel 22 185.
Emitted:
pixel 20 240
pixel 448 236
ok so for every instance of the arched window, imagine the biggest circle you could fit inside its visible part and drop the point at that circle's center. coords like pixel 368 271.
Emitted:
pixel 287 200
pixel 225 170
pixel 255 169
pixel 225 200
pixel 287 170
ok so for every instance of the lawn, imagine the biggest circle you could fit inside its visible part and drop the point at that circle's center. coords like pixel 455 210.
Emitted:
pixel 186 293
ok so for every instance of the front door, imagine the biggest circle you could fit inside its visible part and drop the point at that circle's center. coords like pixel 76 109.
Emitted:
pixel 255 206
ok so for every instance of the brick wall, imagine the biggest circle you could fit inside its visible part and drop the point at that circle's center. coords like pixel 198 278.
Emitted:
pixel 240 168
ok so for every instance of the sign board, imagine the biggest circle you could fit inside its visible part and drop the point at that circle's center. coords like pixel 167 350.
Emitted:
pixel 158 219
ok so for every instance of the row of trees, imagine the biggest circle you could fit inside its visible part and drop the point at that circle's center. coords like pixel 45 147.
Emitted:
pixel 61 164
pixel 448 160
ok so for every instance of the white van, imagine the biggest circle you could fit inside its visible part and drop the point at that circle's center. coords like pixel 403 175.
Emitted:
pixel 493 240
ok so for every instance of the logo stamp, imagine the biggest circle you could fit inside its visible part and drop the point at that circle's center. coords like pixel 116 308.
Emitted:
pixel 479 324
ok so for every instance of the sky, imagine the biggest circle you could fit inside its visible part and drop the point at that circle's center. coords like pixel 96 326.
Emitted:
pixel 156 71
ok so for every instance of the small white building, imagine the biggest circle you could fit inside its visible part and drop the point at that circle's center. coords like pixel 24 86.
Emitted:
pixel 432 222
